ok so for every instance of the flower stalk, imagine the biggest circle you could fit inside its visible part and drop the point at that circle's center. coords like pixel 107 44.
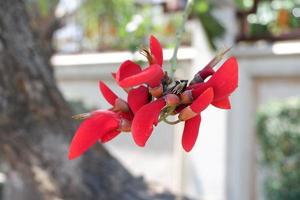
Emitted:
pixel 180 30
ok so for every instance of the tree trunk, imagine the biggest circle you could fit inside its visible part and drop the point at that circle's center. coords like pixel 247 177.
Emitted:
pixel 35 128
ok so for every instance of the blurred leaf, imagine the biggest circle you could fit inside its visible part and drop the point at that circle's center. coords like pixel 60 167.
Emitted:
pixel 202 7
pixel 278 129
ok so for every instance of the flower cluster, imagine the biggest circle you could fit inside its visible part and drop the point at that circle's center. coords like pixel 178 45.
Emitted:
pixel 152 97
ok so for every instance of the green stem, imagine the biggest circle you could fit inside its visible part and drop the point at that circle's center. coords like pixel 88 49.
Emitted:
pixel 166 112
pixel 172 122
pixel 179 33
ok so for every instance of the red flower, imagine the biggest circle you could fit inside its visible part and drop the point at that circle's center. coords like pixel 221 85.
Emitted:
pixel 130 74
pixel 137 98
pixel 148 105
pixel 224 81
pixel 156 51
pixel 117 103
pixel 147 116
pixel 98 124
pixel 144 119
pixel 191 116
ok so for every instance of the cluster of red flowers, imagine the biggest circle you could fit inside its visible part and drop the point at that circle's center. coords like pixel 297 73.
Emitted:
pixel 152 97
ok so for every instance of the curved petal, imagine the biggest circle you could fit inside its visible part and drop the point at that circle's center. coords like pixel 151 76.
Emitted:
pixel 223 103
pixel 127 69
pixel 137 98
pixel 206 72
pixel 225 80
pixel 198 89
pixel 109 136
pixel 144 119
pixel 203 100
pixel 190 133
pixel 156 50
pixel 152 76
pixel 201 75
pixel 107 93
pixel 91 130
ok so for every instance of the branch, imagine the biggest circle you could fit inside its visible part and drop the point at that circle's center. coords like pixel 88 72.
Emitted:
pixel 179 33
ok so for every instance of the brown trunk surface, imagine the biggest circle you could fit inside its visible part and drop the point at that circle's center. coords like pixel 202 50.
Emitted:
pixel 35 128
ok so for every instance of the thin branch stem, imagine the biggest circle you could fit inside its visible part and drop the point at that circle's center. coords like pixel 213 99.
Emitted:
pixel 179 33
pixel 172 122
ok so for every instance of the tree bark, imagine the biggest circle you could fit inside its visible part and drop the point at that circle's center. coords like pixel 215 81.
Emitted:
pixel 35 128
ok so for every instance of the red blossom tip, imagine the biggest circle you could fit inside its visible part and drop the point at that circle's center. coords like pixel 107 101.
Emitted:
pixel 109 136
pixel 107 93
pixel 197 106
pixel 91 130
pixel 203 100
pixel 152 76
pixel 190 133
pixel 127 69
pixel 156 50
pixel 137 98
pixel 225 80
pixel 144 119
pixel 223 103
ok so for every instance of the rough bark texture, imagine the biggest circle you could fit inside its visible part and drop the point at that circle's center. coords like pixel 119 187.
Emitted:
pixel 35 128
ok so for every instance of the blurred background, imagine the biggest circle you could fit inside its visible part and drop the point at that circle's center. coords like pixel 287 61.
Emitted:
pixel 251 152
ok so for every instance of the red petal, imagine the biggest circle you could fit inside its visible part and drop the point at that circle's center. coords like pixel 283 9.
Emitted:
pixel 127 69
pixel 144 119
pixel 180 108
pixel 190 133
pixel 225 80
pixel 91 130
pixel 137 98
pixel 107 93
pixel 156 50
pixel 109 136
pixel 203 101
pixel 152 75
pixel 198 89
pixel 114 75
pixel 223 103
pixel 206 72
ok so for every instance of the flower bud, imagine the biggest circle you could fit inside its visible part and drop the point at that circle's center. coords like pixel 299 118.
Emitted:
pixel 186 114
pixel 156 91
pixel 172 99
pixel 186 97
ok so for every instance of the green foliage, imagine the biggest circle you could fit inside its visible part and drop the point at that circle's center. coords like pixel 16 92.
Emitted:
pixel 105 21
pixel 278 128
pixel 243 4
pixel 273 17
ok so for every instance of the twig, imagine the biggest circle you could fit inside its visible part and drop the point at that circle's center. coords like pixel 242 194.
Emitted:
pixel 179 33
